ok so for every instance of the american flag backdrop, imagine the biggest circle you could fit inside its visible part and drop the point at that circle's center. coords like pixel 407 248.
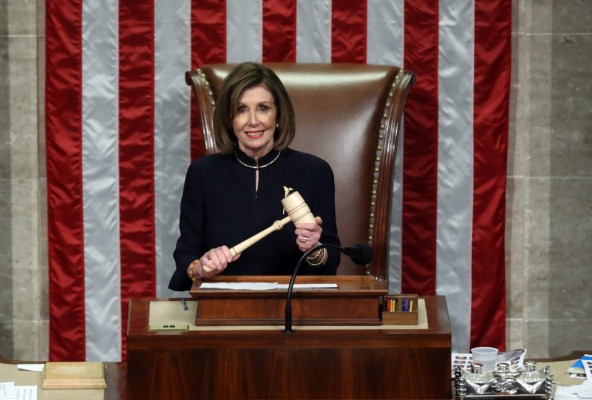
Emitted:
pixel 121 130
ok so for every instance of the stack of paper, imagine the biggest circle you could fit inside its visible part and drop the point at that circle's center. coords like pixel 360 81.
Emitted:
pixel 9 391
pixel 581 368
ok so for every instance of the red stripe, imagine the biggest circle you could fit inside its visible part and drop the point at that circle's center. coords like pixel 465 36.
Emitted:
pixel 63 130
pixel 348 31
pixel 279 30
pixel 491 124
pixel 420 151
pixel 136 152
pixel 208 45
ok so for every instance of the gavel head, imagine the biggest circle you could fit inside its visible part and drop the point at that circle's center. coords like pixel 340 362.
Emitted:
pixel 297 209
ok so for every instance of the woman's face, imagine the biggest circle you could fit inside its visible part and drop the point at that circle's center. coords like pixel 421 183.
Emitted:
pixel 253 121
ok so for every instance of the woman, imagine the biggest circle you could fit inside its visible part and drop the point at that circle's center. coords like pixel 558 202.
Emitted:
pixel 230 196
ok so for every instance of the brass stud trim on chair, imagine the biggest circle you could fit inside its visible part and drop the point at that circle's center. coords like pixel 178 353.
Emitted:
pixel 207 84
pixel 379 150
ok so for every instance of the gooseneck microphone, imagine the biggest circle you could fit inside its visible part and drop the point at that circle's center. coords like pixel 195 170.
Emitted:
pixel 361 254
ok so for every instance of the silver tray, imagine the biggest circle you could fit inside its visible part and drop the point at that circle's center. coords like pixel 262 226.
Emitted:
pixel 504 382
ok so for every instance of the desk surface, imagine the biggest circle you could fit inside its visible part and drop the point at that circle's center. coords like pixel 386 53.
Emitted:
pixel 350 353
pixel 116 376
pixel 172 312
pixel 434 312
pixel 327 362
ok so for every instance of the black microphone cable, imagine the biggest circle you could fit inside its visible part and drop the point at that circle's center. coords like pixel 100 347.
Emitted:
pixel 360 254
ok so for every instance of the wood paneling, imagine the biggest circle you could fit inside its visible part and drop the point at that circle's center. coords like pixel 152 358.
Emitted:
pixel 268 363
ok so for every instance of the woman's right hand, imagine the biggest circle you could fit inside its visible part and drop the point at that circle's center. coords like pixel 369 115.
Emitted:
pixel 215 260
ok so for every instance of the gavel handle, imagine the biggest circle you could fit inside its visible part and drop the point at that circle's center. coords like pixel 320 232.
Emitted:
pixel 242 246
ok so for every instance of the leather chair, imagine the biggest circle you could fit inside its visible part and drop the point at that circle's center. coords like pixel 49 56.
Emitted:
pixel 349 115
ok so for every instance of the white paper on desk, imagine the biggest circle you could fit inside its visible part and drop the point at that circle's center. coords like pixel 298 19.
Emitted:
pixel 588 368
pixel 7 391
pixel 576 392
pixel 264 285
pixel 309 286
pixel 26 392
pixel 239 285
pixel 31 367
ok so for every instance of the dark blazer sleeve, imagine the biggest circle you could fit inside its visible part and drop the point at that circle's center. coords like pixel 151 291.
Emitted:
pixel 323 205
pixel 190 244
pixel 330 235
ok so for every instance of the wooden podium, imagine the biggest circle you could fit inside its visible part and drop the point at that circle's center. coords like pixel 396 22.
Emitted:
pixel 324 358
pixel 355 302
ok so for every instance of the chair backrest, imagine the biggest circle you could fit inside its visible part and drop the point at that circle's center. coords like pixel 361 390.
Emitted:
pixel 349 115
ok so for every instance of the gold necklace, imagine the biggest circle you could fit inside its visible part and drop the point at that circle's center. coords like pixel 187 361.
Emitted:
pixel 256 166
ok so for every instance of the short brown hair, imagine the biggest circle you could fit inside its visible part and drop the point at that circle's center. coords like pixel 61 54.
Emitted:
pixel 243 77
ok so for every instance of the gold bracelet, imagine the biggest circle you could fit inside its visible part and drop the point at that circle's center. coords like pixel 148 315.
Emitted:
pixel 316 254
pixel 313 264
pixel 190 273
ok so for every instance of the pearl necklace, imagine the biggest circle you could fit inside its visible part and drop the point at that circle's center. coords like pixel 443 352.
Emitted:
pixel 256 166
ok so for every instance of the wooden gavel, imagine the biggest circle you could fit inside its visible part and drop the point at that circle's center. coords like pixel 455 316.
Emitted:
pixel 298 212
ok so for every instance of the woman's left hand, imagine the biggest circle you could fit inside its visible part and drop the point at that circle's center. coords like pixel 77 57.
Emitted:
pixel 308 234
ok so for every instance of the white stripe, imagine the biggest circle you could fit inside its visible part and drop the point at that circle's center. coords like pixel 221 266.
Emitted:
pixel 313 31
pixel 455 165
pixel 396 228
pixel 385 46
pixel 172 46
pixel 100 179
pixel 244 31
pixel 385 32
